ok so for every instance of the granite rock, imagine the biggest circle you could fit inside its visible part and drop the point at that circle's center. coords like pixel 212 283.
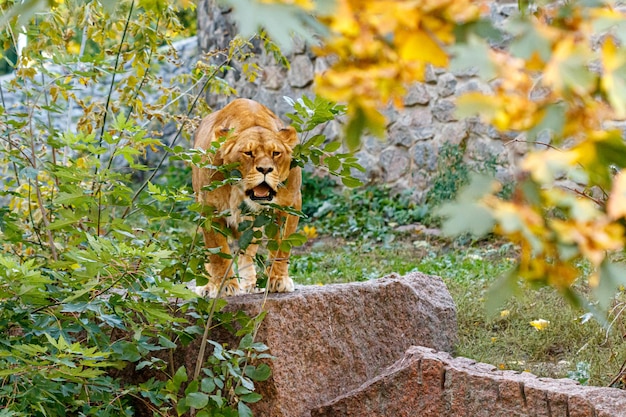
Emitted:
pixel 429 383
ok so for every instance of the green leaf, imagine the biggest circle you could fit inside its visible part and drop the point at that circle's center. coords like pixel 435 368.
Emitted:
pixel 531 41
pixel 333 163
pixel 351 182
pixel 271 230
pixel 179 377
pixel 474 54
pixel 127 351
pixel 207 385
pixel 182 407
pixel 332 146
pixel 246 341
pixel 244 410
pixel 501 291
pixel 466 215
pixel 280 21
pixel 252 397
pixel 465 218
pixel 166 343
pixel 197 400
pixel 553 120
pixel 355 128
pixel 612 277
pixel 259 373
pixel 246 238
pixel 261 220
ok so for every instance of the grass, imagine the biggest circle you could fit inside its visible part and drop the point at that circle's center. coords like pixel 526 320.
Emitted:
pixel 570 345
pixel 359 242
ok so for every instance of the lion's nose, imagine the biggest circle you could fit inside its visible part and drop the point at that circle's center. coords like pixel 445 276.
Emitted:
pixel 264 170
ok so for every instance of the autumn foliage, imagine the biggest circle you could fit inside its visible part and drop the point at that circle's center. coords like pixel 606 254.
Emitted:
pixel 380 47
pixel 554 68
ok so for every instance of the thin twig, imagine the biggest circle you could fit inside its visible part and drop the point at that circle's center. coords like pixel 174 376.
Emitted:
pixel 106 112
pixel 622 372
pixel 42 209
pixel 207 326
pixel 17 178
pixel 532 142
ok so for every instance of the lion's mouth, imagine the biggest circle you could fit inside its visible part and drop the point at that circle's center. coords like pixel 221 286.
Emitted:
pixel 261 192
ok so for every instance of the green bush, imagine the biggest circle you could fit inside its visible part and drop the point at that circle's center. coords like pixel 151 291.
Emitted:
pixel 453 173
pixel 96 245
pixel 370 213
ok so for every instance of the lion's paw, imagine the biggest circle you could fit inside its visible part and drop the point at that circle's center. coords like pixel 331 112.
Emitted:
pixel 211 290
pixel 281 284
pixel 208 290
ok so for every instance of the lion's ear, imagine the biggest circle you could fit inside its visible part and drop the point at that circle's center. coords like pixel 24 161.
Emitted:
pixel 289 136
pixel 222 132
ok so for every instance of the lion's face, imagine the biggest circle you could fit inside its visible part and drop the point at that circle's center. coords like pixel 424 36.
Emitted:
pixel 264 158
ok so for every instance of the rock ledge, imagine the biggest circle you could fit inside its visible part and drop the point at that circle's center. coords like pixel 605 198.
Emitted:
pixel 429 383
pixel 328 340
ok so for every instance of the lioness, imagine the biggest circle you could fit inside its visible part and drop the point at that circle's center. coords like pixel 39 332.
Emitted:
pixel 262 146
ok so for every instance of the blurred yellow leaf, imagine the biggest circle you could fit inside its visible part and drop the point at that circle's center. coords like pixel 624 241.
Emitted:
pixel 616 205
pixel 613 84
pixel 73 48
pixel 540 324
pixel 309 231
pixel 545 166
pixel 419 46
pixel 473 103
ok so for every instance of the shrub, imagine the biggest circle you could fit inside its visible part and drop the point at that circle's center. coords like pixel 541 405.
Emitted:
pixel 95 243
pixel 370 213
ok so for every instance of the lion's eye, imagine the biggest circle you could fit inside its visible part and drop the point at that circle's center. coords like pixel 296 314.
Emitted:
pixel 275 154
pixel 248 153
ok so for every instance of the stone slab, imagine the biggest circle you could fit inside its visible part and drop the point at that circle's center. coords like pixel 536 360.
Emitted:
pixel 429 383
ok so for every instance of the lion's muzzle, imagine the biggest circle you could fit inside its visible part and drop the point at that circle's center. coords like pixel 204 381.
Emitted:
pixel 262 192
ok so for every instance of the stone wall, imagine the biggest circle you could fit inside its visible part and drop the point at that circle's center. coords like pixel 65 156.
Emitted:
pixel 407 158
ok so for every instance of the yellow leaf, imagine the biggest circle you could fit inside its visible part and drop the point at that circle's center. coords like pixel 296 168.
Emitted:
pixel 547 165
pixel 343 21
pixel 309 231
pixel 419 46
pixel 613 58
pixel 73 48
pixel 82 162
pixel 616 206
pixel 540 324
pixel 473 103
pixel 505 313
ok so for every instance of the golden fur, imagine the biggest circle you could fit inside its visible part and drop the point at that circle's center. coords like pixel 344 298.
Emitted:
pixel 262 146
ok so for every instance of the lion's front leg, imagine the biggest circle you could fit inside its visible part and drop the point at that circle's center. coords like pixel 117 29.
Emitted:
pixel 219 268
pixel 278 271
pixel 246 269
